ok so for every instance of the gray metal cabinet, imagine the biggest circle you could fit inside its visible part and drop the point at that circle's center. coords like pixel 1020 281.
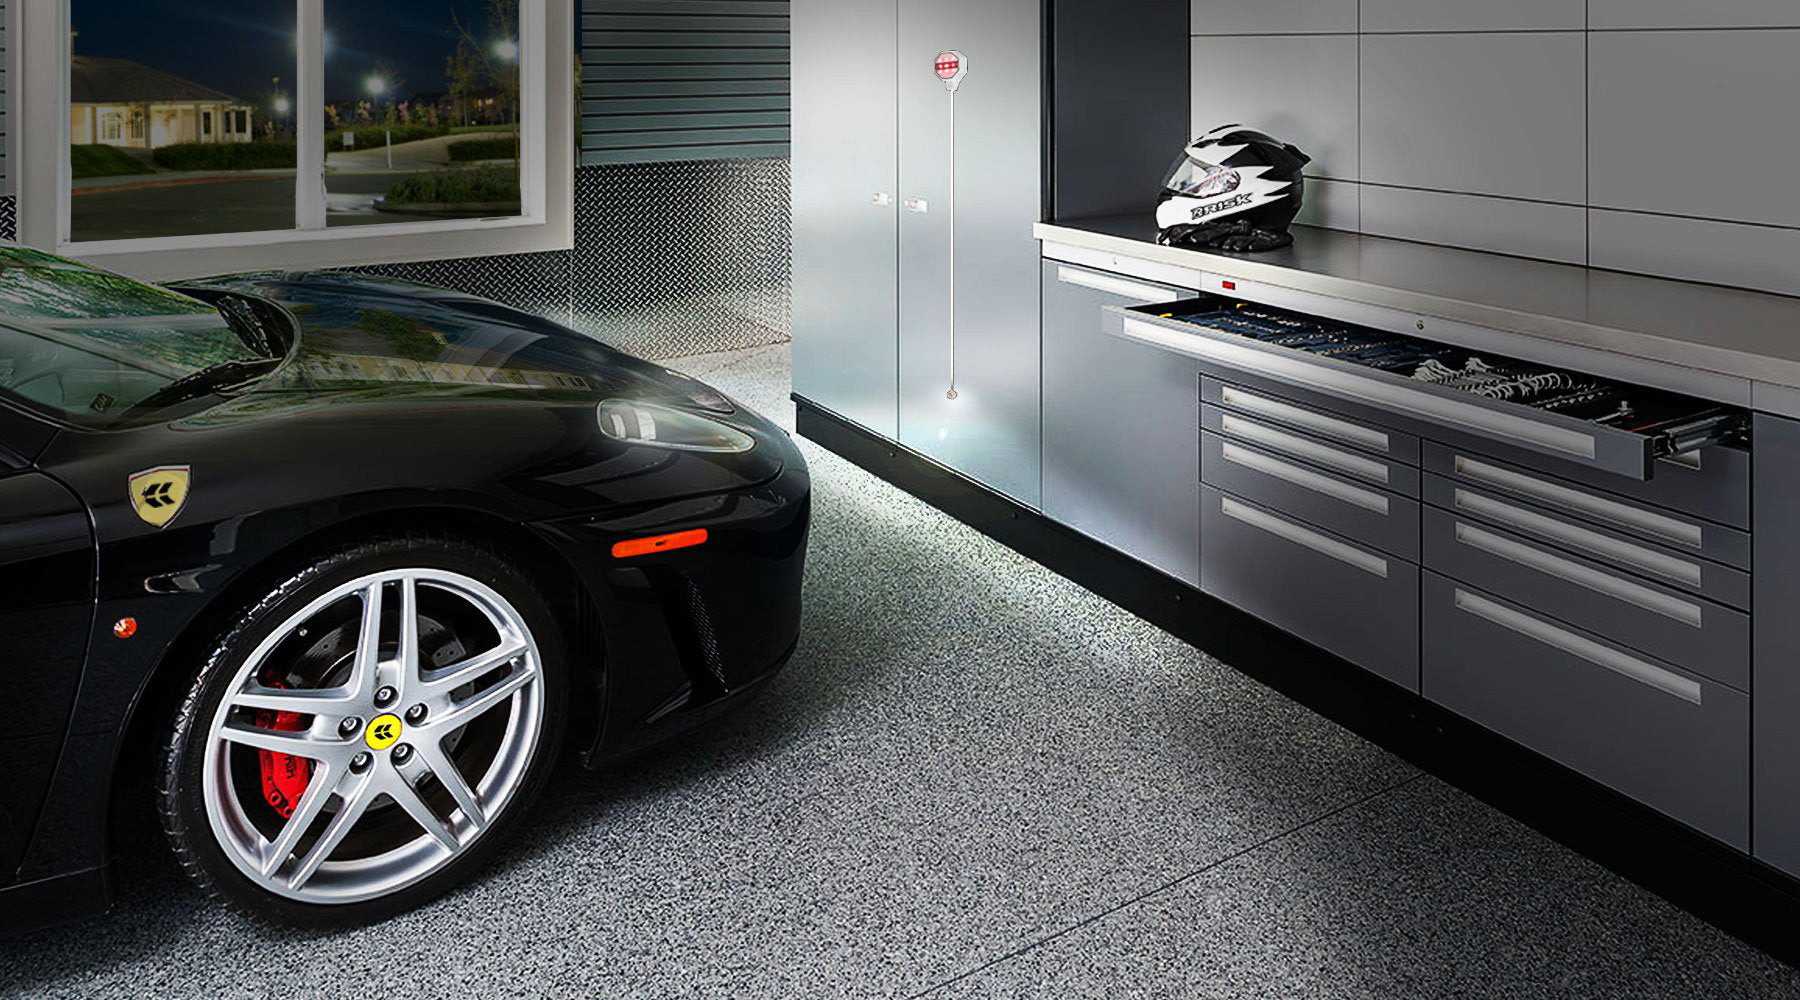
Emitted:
pixel 846 209
pixel 1121 445
pixel 970 164
pixel 1776 670
pixel 1352 600
pixel 915 268
pixel 1675 741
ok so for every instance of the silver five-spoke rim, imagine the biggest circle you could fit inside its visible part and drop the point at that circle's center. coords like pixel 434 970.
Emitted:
pixel 385 676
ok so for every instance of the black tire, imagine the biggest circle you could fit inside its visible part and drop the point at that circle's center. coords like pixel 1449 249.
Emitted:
pixel 179 789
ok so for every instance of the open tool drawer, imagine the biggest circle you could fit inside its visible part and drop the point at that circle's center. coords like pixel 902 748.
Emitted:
pixel 1595 422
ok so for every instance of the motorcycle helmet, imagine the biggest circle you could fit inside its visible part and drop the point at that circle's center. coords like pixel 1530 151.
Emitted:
pixel 1233 188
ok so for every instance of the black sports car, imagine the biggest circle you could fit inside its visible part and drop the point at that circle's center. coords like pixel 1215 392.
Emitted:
pixel 333 564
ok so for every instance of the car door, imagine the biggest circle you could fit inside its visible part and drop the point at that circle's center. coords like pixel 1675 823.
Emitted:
pixel 46 611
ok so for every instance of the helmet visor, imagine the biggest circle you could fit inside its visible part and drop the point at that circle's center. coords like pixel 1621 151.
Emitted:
pixel 1198 179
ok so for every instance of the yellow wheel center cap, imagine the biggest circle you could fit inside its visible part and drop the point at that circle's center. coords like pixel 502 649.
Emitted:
pixel 383 732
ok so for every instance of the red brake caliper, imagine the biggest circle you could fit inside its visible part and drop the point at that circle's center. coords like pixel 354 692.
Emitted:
pixel 284 775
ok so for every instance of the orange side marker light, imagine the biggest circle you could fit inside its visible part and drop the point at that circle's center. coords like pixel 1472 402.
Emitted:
pixel 659 543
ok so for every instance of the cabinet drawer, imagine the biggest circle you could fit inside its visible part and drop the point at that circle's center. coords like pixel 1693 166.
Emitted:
pixel 1319 423
pixel 1319 452
pixel 1343 506
pixel 1675 515
pixel 1707 638
pixel 1361 604
pixel 1670 567
pixel 1670 739
pixel 1580 419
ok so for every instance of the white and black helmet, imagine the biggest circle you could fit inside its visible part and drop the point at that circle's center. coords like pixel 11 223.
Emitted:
pixel 1233 188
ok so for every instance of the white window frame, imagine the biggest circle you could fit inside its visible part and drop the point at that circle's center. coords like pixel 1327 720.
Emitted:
pixel 546 167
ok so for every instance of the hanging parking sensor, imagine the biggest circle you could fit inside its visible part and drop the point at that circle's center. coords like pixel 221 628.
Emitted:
pixel 951 66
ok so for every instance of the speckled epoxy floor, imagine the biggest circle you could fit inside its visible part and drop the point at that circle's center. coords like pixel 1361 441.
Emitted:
pixel 974 780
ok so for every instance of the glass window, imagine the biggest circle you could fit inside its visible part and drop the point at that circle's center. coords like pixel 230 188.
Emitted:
pixel 421 110
pixel 153 76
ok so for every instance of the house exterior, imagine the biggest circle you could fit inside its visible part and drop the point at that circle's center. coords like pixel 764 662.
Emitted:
pixel 117 102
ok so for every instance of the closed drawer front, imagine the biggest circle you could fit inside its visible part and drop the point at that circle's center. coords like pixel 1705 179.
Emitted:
pixel 1361 466
pixel 1316 421
pixel 1354 601
pixel 1673 740
pixel 1699 501
pixel 1725 584
pixel 1362 513
pixel 1690 631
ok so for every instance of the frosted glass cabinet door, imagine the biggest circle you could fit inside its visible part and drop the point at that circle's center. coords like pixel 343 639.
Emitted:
pixel 846 205
pixel 990 431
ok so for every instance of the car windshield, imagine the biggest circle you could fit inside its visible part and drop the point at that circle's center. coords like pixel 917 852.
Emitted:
pixel 88 346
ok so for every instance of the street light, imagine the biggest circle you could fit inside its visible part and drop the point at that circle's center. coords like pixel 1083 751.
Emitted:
pixel 283 105
pixel 506 50
pixel 377 85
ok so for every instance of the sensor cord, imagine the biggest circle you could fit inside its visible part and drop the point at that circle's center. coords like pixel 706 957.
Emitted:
pixel 952 393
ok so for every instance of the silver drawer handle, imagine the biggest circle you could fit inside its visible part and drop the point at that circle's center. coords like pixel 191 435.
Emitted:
pixel 1648 560
pixel 1623 515
pixel 1666 681
pixel 1114 286
pixel 1315 422
pixel 1343 461
pixel 1282 528
pixel 1531 557
pixel 1305 478
pixel 1496 424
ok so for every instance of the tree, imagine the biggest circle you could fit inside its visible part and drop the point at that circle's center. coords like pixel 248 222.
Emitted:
pixel 462 71
pixel 503 26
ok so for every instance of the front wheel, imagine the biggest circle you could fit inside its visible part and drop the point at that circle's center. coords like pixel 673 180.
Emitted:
pixel 365 735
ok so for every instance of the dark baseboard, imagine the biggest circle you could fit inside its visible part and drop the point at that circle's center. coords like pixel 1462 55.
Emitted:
pixel 1733 892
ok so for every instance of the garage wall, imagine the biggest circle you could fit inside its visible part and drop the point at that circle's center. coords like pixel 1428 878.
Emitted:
pixel 669 80
pixel 1642 135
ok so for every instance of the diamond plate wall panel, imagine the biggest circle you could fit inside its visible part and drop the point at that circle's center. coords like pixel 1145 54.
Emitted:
pixel 673 259
pixel 670 259
pixel 9 217
pixel 535 282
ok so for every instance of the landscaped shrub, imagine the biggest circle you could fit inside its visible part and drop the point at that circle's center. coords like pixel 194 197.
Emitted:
pixel 475 185
pixel 104 161
pixel 226 156
pixel 499 147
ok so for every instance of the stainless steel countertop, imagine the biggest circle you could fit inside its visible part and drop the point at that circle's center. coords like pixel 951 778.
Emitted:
pixel 1732 332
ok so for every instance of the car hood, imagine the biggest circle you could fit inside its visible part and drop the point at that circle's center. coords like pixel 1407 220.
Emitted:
pixel 369 335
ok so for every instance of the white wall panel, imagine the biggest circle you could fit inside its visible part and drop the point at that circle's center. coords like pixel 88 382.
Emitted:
pixel 1696 123
pixel 1473 15
pixel 1498 225
pixel 1494 114
pixel 1255 17
pixel 1309 100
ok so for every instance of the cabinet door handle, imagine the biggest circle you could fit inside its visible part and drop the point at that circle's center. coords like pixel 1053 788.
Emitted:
pixel 1485 420
pixel 1531 557
pixel 1666 681
pixel 1293 444
pixel 1318 482
pixel 1141 293
pixel 1610 511
pixel 1285 529
pixel 1650 561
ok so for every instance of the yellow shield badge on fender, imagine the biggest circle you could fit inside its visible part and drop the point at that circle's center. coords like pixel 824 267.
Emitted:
pixel 158 494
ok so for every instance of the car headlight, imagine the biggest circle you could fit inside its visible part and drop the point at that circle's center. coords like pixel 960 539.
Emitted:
pixel 666 427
